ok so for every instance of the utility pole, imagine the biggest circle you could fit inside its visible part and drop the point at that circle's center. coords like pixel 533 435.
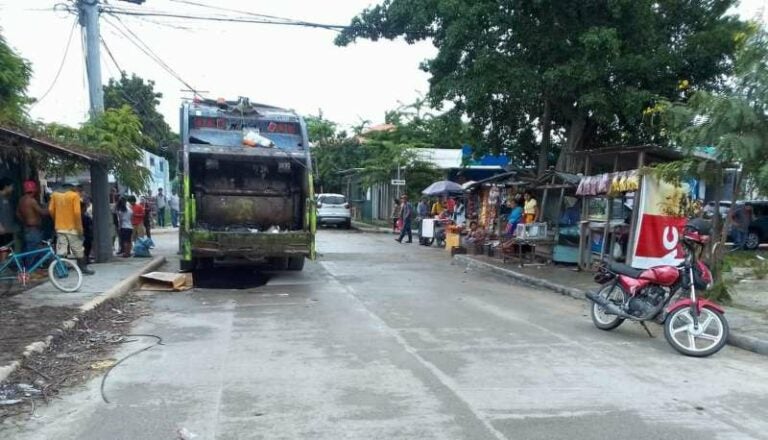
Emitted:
pixel 88 11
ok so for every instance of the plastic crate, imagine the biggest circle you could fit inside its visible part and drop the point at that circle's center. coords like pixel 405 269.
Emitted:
pixel 531 231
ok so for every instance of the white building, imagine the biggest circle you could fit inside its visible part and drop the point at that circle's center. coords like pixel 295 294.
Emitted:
pixel 159 174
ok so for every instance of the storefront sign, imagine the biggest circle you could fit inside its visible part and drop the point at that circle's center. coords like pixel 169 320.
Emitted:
pixel 661 221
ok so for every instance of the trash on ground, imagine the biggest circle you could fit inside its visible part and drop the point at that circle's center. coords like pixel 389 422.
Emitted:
pixel 103 364
pixel 166 281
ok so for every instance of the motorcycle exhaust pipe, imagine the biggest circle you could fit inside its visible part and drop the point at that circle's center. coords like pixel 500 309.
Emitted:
pixel 609 307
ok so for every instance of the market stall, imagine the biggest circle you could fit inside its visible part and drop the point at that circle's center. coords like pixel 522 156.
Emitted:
pixel 560 210
pixel 628 215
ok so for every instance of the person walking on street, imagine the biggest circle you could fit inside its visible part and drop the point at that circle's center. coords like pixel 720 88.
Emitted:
pixel 395 215
pixel 173 203
pixel 406 215
pixel 162 203
pixel 65 209
pixel 125 221
pixel 31 214
pixel 8 226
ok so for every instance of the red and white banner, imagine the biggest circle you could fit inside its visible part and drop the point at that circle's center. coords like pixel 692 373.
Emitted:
pixel 660 225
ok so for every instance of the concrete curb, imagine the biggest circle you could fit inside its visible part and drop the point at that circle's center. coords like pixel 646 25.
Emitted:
pixel 737 339
pixel 117 290
pixel 363 227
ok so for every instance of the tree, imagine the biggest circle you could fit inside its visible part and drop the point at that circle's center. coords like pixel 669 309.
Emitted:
pixel 14 79
pixel 584 71
pixel 733 121
pixel 141 97
pixel 114 135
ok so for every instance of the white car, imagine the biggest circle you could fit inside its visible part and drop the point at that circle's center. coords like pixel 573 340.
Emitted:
pixel 333 209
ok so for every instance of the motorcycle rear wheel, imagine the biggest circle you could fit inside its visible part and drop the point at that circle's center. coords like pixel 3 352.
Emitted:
pixel 602 320
pixel 679 332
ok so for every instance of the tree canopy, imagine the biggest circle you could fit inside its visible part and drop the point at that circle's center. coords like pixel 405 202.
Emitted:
pixel 734 121
pixel 116 135
pixel 14 79
pixel 585 70
pixel 141 97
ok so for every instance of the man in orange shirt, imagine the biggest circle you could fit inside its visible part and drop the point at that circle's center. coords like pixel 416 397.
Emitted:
pixel 64 208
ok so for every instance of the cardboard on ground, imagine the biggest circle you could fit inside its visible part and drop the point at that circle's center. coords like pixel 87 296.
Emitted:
pixel 166 281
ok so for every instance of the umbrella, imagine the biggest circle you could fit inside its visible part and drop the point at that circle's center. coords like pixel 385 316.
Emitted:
pixel 442 187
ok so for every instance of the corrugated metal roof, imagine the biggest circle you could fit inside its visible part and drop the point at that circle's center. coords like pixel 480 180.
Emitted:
pixel 20 140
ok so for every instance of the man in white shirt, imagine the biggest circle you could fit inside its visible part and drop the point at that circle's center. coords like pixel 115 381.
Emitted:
pixel 162 202
pixel 173 203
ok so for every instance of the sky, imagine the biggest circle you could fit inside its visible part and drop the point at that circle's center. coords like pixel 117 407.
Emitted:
pixel 292 67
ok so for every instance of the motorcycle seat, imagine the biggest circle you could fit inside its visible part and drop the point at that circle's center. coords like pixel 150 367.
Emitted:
pixel 624 269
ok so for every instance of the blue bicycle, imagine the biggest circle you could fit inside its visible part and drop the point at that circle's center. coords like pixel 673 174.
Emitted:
pixel 63 273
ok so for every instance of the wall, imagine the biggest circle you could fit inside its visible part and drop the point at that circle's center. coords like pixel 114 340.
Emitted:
pixel 159 172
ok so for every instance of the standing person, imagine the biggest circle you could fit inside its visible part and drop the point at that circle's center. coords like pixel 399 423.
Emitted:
pixel 31 214
pixel 86 213
pixel 406 215
pixel 147 218
pixel 125 221
pixel 460 215
pixel 65 209
pixel 173 203
pixel 437 208
pixel 395 215
pixel 530 209
pixel 7 224
pixel 741 219
pixel 161 203
pixel 137 219
pixel 422 209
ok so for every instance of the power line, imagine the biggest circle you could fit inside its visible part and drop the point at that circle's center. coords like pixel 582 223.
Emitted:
pixel 237 11
pixel 61 65
pixel 112 57
pixel 118 11
pixel 143 47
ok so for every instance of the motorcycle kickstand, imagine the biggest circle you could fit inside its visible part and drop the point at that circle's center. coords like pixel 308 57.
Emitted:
pixel 647 330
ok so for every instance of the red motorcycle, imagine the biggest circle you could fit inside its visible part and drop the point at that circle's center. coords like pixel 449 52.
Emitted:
pixel 667 295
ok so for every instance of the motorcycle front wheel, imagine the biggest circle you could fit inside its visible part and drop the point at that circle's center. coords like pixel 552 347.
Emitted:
pixel 602 320
pixel 709 338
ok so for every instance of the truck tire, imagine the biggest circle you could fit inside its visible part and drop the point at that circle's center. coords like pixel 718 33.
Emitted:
pixel 296 263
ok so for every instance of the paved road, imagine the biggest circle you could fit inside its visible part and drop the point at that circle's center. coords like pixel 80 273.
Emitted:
pixel 387 341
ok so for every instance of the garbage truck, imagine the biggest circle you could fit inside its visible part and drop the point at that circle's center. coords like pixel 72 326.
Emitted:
pixel 246 190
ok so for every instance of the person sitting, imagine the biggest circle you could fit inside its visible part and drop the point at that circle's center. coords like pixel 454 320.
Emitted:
pixel 514 218
pixel 475 237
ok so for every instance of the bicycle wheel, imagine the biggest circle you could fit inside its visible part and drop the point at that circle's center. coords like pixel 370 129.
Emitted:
pixel 65 275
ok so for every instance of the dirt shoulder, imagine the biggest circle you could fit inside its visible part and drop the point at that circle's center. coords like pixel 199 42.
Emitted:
pixel 74 356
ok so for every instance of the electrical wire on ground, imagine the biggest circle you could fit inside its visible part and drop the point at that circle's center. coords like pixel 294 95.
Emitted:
pixel 106 374
pixel 61 66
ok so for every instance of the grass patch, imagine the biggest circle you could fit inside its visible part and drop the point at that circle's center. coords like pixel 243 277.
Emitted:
pixel 744 259
pixel 719 293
